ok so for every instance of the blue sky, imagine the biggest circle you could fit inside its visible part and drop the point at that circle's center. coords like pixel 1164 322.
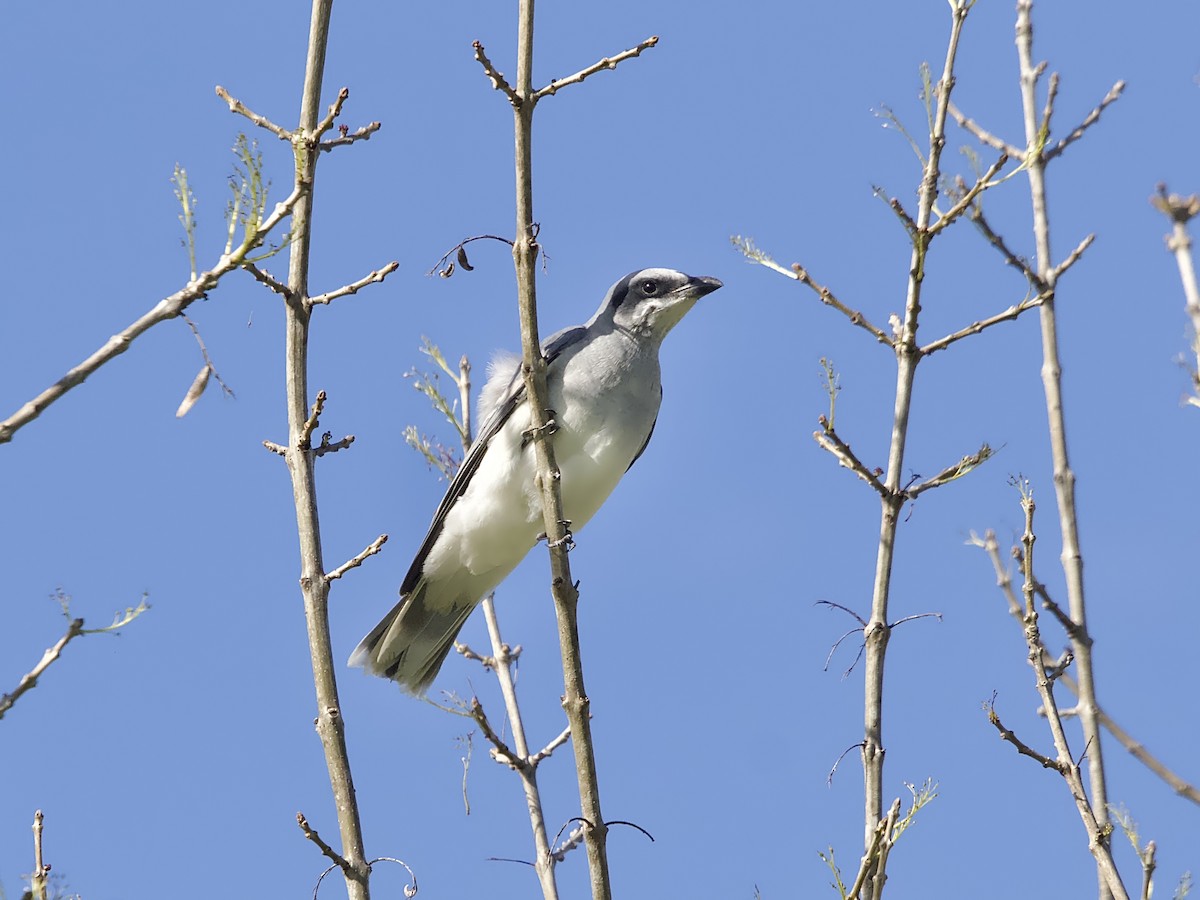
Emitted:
pixel 172 759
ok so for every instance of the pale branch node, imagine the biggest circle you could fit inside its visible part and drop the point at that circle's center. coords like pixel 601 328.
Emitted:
pixel 967 200
pixel 30 679
pixel 1089 120
pixel 1006 734
pixel 827 297
pixel 328 445
pixel 237 106
pixel 465 651
pixel 829 440
pixel 311 834
pixel 167 308
pixel 609 62
pixel 275 448
pixel 354 287
pixel 265 277
pixel 349 137
pixel 991 547
pixel 984 136
pixel 950 473
pixel 374 547
pixel 335 110
pixel 496 77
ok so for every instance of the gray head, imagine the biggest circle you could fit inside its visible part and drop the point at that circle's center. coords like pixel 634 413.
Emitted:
pixel 650 302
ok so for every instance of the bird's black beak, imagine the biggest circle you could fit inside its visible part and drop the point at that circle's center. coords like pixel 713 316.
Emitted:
pixel 702 284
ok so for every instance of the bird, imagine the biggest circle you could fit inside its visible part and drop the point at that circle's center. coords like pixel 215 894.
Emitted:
pixel 605 388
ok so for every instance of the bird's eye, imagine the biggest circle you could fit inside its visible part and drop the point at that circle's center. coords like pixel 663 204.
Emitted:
pixel 649 287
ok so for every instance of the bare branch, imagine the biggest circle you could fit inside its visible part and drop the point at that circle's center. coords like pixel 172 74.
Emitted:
pixel 501 752
pixel 976 327
pixel 968 199
pixel 335 110
pixel 563 737
pixel 494 75
pixel 311 834
pixel 607 63
pixel 827 297
pixel 950 473
pixel 374 547
pixel 278 449
pixel 1024 749
pixel 829 440
pixel 167 308
pixel 30 680
pixel 984 136
pixel 1071 259
pixel 353 288
pixel 270 281
pixel 1089 120
pixel 347 137
pixel 236 106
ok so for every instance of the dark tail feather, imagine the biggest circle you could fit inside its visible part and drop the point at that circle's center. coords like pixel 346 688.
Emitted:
pixel 411 642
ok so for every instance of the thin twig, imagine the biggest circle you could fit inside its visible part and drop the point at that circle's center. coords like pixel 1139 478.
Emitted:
pixel 311 834
pixel 1007 734
pixel 829 440
pixel 495 76
pixel 374 547
pixel 609 62
pixel 827 297
pixel 265 277
pixel 354 287
pixel 237 106
pixel 348 137
pixel 976 327
pixel 29 681
pixel 501 752
pixel 1089 120
pixel 167 308
pixel 951 473
pixel 204 352
pixel 986 137
pixel 968 199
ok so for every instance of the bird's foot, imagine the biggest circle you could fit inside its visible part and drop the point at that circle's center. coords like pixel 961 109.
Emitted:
pixel 548 429
pixel 567 540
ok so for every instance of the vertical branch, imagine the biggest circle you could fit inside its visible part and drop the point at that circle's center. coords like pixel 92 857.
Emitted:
pixel 1096 827
pixel 566 596
pixel 908 356
pixel 300 461
pixel 1037 127
pixel 504 659
pixel 37 880
pixel 1181 210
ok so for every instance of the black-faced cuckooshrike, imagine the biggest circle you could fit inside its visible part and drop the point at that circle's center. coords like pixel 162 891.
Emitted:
pixel 605 390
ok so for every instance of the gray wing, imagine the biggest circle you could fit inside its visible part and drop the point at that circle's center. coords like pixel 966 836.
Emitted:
pixel 646 443
pixel 552 348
